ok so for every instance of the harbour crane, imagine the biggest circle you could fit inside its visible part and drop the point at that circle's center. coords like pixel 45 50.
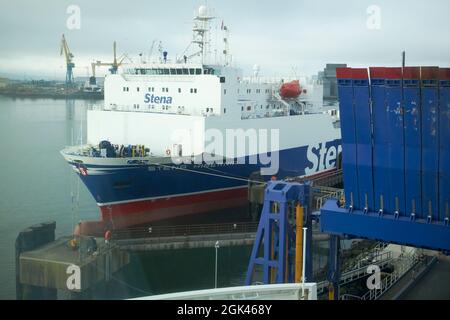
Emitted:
pixel 117 62
pixel 69 63
pixel 114 66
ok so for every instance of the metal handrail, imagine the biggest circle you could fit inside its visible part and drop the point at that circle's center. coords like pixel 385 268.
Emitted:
pixel 373 253
pixel 408 262
pixel 184 230
pixel 337 194
pixel 360 271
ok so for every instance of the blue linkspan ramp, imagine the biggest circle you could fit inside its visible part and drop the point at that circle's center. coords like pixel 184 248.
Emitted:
pixel 403 154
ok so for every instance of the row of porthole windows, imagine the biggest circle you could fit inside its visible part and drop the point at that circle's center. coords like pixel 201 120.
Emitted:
pixel 164 89
pixel 249 91
pixel 173 71
pixel 164 107
pixel 249 108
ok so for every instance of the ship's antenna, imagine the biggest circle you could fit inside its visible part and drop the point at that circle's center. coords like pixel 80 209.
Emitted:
pixel 151 51
pixel 201 31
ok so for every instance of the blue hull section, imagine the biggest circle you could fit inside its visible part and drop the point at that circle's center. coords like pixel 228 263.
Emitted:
pixel 131 183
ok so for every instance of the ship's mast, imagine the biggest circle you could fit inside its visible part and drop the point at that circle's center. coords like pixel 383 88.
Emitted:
pixel 201 34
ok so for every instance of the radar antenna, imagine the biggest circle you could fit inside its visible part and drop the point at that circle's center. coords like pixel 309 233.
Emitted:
pixel 201 31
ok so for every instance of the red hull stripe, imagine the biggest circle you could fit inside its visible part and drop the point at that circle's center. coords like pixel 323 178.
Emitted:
pixel 138 212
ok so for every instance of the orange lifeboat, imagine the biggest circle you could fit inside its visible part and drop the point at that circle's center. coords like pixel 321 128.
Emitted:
pixel 290 90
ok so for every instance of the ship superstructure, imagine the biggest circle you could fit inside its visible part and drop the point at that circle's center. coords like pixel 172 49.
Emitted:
pixel 184 136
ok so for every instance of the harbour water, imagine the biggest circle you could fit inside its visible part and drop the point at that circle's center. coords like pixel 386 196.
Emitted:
pixel 37 185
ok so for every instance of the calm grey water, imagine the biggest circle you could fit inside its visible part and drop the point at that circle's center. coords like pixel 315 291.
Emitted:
pixel 36 185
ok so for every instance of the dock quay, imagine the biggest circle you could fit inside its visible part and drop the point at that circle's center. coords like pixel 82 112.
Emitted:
pixel 45 264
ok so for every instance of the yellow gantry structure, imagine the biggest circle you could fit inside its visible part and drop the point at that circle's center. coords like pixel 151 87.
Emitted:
pixel 69 59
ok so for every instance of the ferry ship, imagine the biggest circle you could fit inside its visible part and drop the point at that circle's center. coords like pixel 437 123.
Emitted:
pixel 184 136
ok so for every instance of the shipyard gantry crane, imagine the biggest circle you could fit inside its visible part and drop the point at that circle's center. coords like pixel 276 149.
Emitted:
pixel 116 62
pixel 69 63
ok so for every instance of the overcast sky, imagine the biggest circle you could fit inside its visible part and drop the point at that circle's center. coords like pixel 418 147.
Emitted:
pixel 280 36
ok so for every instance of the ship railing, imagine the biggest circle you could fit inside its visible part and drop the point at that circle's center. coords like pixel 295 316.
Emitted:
pixel 328 193
pixel 145 109
pixel 360 270
pixel 282 291
pixel 278 80
pixel 184 230
pixel 403 266
pixel 373 255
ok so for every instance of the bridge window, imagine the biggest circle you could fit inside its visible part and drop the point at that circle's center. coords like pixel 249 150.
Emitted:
pixel 185 71
pixel 198 71
pixel 166 71
pixel 191 71
pixel 179 90
pixel 173 71
pixel 179 71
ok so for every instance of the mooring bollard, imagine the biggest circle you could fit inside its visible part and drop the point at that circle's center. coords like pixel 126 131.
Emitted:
pixel 29 239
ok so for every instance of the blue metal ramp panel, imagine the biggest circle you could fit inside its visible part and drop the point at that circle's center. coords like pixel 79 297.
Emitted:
pixel 349 156
pixel 412 129
pixel 380 140
pixel 444 143
pixel 430 142
pixel 396 151
pixel 363 129
pixel 386 228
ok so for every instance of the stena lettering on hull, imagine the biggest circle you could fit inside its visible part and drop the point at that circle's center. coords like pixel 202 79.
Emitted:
pixel 322 156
